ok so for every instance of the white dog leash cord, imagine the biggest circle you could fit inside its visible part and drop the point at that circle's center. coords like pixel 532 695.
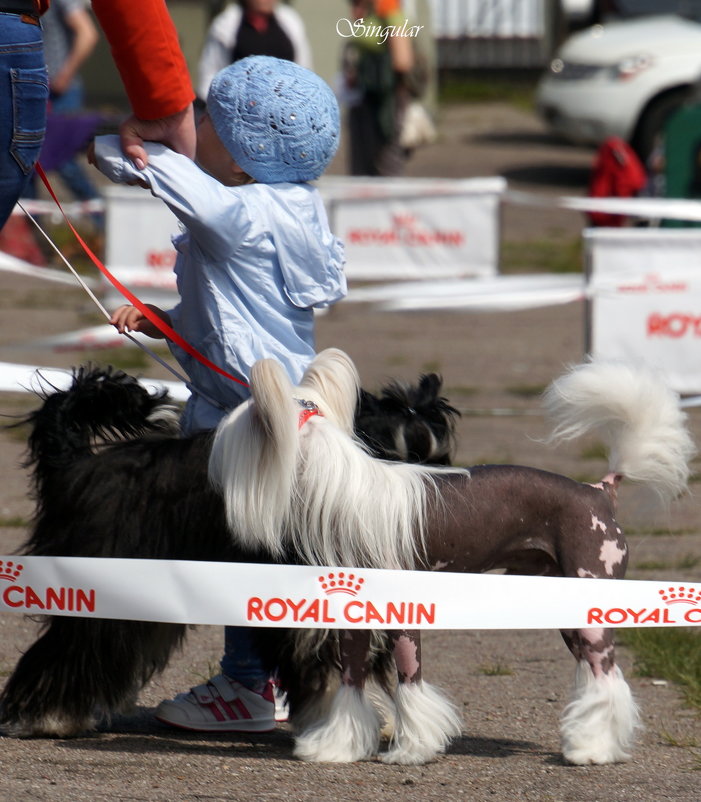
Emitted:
pixel 102 309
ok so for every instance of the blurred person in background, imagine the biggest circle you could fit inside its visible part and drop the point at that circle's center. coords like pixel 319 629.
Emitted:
pixel 70 37
pixel 376 86
pixel 252 28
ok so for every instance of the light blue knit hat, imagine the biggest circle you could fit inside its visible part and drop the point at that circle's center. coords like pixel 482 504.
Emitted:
pixel 279 121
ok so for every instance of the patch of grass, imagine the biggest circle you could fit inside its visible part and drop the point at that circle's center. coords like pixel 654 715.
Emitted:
pixel 497 669
pixel 673 654
pixel 126 359
pixel 13 522
pixel 688 743
pixel 654 531
pixel 653 565
pixel 686 563
pixel 17 434
pixel 595 451
pixel 472 88
pixel 586 479
pixel 541 256
pixel 526 390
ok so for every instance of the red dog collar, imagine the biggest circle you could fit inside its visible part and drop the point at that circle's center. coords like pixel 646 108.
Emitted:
pixel 309 409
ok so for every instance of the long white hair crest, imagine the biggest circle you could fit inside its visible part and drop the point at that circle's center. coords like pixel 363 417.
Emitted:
pixel 314 493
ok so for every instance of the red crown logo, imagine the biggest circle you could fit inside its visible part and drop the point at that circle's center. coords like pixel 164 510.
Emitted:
pixel 681 594
pixel 10 570
pixel 341 582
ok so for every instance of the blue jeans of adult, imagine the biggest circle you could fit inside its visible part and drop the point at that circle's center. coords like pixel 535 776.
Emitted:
pixel 24 91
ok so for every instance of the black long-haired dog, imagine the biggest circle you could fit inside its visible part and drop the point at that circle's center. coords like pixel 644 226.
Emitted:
pixel 112 478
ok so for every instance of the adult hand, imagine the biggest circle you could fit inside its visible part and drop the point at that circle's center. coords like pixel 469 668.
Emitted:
pixel 176 131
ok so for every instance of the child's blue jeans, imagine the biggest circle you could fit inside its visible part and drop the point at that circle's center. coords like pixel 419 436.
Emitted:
pixel 241 660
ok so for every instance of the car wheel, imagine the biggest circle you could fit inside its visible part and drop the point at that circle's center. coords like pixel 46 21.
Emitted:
pixel 652 121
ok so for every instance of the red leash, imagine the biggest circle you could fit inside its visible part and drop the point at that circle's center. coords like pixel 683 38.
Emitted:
pixel 163 327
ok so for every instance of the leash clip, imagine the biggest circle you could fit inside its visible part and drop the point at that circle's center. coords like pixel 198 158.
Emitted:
pixel 309 409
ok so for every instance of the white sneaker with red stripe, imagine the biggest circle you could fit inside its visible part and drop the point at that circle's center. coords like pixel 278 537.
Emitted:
pixel 220 705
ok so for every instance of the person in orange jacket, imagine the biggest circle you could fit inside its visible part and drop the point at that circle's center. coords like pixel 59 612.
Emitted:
pixel 145 48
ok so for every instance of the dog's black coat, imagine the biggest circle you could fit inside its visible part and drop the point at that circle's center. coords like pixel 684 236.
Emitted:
pixel 113 479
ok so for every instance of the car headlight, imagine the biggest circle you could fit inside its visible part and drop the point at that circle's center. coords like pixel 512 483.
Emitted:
pixel 631 66
pixel 571 70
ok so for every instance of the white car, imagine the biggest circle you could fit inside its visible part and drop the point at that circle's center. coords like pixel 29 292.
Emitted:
pixel 622 78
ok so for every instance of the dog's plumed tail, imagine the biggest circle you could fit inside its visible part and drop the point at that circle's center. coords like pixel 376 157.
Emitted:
pixel 636 415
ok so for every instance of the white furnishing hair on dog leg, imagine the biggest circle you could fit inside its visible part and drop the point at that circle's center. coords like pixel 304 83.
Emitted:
pixel 425 723
pixel 599 724
pixel 349 733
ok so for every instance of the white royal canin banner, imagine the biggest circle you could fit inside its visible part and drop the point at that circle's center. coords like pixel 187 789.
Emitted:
pixel 415 228
pixel 333 598
pixel 392 229
pixel 138 247
pixel 645 291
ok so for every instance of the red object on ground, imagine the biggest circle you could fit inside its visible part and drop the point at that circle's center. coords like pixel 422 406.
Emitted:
pixel 17 239
pixel 617 173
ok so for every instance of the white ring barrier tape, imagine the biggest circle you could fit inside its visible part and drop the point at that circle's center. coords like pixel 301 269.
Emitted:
pixel 73 208
pixel 172 591
pixel 652 208
pixel 668 208
pixel 12 264
pixel 30 378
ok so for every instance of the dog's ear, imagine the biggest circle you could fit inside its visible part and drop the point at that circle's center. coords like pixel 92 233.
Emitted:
pixel 430 386
pixel 273 395
pixel 332 382
pixel 429 399
pixel 253 459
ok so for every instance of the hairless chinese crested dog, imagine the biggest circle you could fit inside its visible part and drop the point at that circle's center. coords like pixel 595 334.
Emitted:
pixel 332 504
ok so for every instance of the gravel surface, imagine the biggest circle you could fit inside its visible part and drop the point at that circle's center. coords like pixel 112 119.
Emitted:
pixel 512 685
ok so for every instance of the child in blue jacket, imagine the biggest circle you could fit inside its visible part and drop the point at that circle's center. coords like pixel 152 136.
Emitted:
pixel 255 258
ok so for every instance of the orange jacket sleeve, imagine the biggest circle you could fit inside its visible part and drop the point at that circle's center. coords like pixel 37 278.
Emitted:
pixel 145 48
